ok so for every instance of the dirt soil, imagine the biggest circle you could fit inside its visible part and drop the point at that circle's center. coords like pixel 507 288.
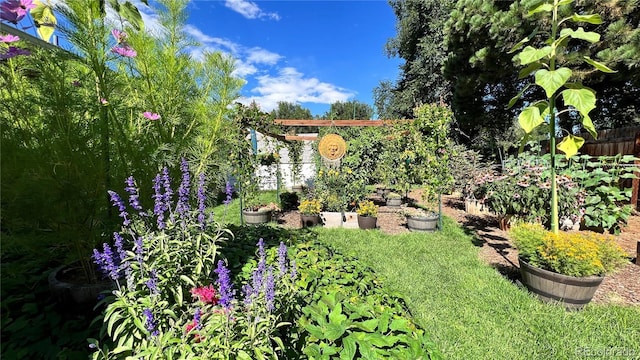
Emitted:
pixel 497 250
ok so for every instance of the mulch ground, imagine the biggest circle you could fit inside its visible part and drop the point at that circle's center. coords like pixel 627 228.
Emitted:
pixel 497 250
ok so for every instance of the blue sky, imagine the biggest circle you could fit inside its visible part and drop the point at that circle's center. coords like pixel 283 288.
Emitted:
pixel 309 52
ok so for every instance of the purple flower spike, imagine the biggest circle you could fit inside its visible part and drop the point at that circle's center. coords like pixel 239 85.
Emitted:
pixel 117 202
pixel 294 270
pixel 152 283
pixel 168 192
pixel 106 262
pixel 228 189
pixel 202 199
pixel 139 250
pixel 134 195
pixel 183 191
pixel 282 258
pixel 150 322
pixel 270 290
pixel 196 318
pixel 119 243
pixel 248 294
pixel 224 286
pixel 158 208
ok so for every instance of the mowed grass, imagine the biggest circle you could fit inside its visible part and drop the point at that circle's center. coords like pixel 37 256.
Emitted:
pixel 473 312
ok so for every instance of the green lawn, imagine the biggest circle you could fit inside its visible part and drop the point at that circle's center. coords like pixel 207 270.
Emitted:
pixel 472 312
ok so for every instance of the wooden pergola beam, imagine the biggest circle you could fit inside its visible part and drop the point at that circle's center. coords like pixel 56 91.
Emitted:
pixel 286 122
pixel 301 137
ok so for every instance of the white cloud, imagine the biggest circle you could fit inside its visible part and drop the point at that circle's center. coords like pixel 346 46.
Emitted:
pixel 243 69
pixel 261 56
pixel 249 9
pixel 211 43
pixel 290 85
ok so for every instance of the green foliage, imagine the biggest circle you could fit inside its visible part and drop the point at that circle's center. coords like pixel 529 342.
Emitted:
pixel 572 254
pixel 367 208
pixel 606 205
pixel 349 110
pixel 467 166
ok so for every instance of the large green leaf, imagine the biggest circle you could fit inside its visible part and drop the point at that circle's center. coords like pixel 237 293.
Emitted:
pixel 589 36
pixel 584 100
pixel 570 145
pixel 530 118
pixel 598 65
pixel 591 18
pixel 44 19
pixel 588 124
pixel 528 70
pixel 348 348
pixel 132 15
pixel 544 7
pixel 551 81
pixel 530 54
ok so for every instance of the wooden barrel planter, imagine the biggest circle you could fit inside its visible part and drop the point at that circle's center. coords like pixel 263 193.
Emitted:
pixel 256 217
pixel 367 222
pixel 573 292
pixel 422 223
pixel 395 202
pixel 310 220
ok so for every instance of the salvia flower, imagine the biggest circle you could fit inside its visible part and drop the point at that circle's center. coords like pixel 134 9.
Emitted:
pixel 183 190
pixel 152 283
pixel 270 290
pixel 158 196
pixel 139 249
pixel 117 202
pixel 9 38
pixel 134 196
pixel 228 189
pixel 124 50
pixel 150 323
pixel 196 318
pixel 224 285
pixel 282 258
pixel 119 243
pixel 248 294
pixel 294 270
pixel 106 262
pixel 168 192
pixel 202 199
pixel 206 294
pixel 151 115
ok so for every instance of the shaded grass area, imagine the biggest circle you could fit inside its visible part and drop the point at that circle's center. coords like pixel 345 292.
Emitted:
pixel 230 214
pixel 472 312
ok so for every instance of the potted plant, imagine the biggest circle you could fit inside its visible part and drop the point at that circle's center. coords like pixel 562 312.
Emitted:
pixel 310 212
pixel 259 214
pixel 565 267
pixel 419 219
pixel 394 199
pixel 367 215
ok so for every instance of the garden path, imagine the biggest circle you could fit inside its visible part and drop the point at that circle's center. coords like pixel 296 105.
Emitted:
pixel 497 250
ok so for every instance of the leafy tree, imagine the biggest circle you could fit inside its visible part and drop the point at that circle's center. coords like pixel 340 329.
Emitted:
pixel 480 33
pixel 419 41
pixel 349 110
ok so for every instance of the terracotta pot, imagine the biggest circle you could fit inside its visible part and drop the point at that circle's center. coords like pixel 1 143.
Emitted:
pixel 367 222
pixel 573 292
pixel 256 217
pixel 422 223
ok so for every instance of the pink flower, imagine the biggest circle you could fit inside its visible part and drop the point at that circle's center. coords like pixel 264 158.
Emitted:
pixel 189 327
pixel 151 116
pixel 120 36
pixel 206 294
pixel 104 101
pixel 124 50
pixel 14 10
pixel 8 38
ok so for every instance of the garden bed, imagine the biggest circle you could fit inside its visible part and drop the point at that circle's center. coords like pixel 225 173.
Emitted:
pixel 497 250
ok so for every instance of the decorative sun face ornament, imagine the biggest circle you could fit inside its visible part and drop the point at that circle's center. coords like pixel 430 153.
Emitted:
pixel 332 147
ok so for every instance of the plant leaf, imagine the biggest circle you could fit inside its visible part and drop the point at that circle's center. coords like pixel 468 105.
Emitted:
pixel 521 43
pixel 598 65
pixel 540 8
pixel 591 18
pixel 588 124
pixel 570 145
pixel 530 54
pixel 530 118
pixel 551 81
pixel 584 100
pixel 589 36
pixel 132 15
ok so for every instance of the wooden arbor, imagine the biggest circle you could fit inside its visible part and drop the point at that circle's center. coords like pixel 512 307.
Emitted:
pixel 336 123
